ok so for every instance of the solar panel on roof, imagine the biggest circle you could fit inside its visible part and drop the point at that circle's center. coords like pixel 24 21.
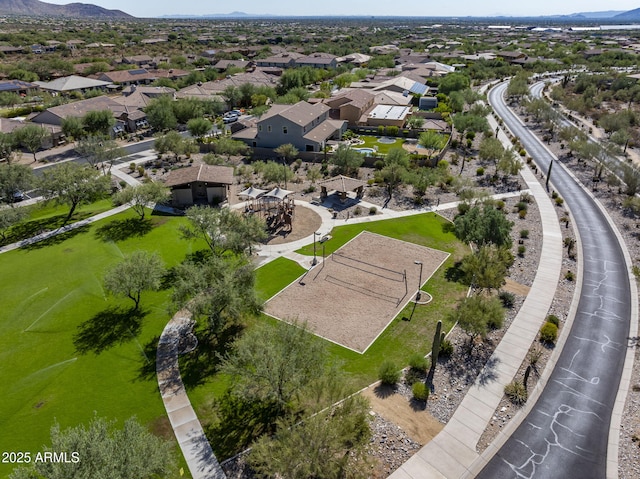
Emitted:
pixel 141 71
pixel 8 87
pixel 418 88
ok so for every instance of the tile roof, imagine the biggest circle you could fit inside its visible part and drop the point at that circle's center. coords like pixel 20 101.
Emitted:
pixel 207 173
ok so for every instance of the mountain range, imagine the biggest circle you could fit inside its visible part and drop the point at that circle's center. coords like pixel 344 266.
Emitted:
pixel 77 10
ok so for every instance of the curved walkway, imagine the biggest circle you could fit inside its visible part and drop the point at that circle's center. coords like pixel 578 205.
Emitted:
pixel 194 444
pixel 452 453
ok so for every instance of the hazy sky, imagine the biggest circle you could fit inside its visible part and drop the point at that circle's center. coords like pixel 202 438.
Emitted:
pixel 154 8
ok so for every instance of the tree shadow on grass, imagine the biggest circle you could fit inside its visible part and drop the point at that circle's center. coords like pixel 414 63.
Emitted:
pixel 454 273
pixel 237 422
pixel 59 238
pixel 32 228
pixel 120 230
pixel 108 328
pixel 195 366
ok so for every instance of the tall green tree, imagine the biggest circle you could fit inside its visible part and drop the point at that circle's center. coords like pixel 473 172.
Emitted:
pixel 175 143
pixel 137 272
pixel 13 178
pixel 329 445
pixel 491 149
pixel 476 314
pixel 73 128
pixel 73 184
pixel 230 147
pixel 102 451
pixel 346 160
pixel 199 127
pixel 483 225
pixel 219 290
pixel 7 146
pixel 287 151
pixel 432 141
pixel 396 166
pixel 96 150
pixel 99 122
pixel 142 196
pixel 223 229
pixel 32 137
pixel 160 113
pixel 487 268
pixel 274 363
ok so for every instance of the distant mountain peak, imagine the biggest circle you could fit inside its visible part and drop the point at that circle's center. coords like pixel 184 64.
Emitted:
pixel 38 8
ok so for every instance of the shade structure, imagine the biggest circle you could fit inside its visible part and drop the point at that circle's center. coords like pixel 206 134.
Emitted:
pixel 277 193
pixel 252 192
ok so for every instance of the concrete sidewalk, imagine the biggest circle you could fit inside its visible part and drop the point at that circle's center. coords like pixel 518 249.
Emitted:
pixel 452 453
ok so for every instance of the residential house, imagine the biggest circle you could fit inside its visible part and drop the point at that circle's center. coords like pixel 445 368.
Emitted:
pixel 72 83
pixel 511 56
pixel 356 59
pixel 388 115
pixel 317 60
pixel 18 86
pixel 281 60
pixel 199 184
pixel 56 114
pixel 139 60
pixel 306 126
pixel 351 105
pixel 223 65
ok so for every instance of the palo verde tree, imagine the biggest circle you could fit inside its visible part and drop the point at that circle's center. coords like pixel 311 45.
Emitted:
pixel 483 224
pixel 346 160
pixel 73 184
pixel 486 268
pixel 7 146
pixel 396 165
pixel 137 272
pixel 141 197
pixel 92 453
pixel 160 113
pixel 199 127
pixel 432 141
pixel 476 315
pixel 274 363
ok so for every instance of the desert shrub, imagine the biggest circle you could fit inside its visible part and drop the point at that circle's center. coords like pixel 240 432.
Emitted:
pixel 553 319
pixel 418 362
pixel 559 201
pixel 378 165
pixel 521 251
pixel 420 391
pixel 499 205
pixel 554 194
pixel 522 214
pixel 495 323
pixel 381 130
pixel 373 210
pixel 480 171
pixel 392 130
pixel 389 373
pixel 357 211
pixel 549 333
pixel 516 392
pixel 524 234
pixel 521 205
pixel 569 276
pixel 446 349
pixel 508 299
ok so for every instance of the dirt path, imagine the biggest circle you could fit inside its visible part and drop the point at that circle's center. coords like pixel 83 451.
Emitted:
pixel 415 421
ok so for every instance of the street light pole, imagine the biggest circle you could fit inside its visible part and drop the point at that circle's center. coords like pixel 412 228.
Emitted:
pixel 315 259
pixel 419 280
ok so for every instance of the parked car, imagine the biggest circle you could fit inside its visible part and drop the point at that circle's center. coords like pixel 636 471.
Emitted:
pixel 230 117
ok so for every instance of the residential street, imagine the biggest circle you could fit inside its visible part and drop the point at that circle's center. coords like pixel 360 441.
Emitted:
pixel 567 431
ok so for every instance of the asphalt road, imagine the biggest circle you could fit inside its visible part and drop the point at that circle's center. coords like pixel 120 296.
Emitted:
pixel 566 433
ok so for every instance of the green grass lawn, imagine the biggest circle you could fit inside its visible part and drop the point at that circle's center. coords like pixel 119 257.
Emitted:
pixel 67 351
pixel 48 216
pixel 383 148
